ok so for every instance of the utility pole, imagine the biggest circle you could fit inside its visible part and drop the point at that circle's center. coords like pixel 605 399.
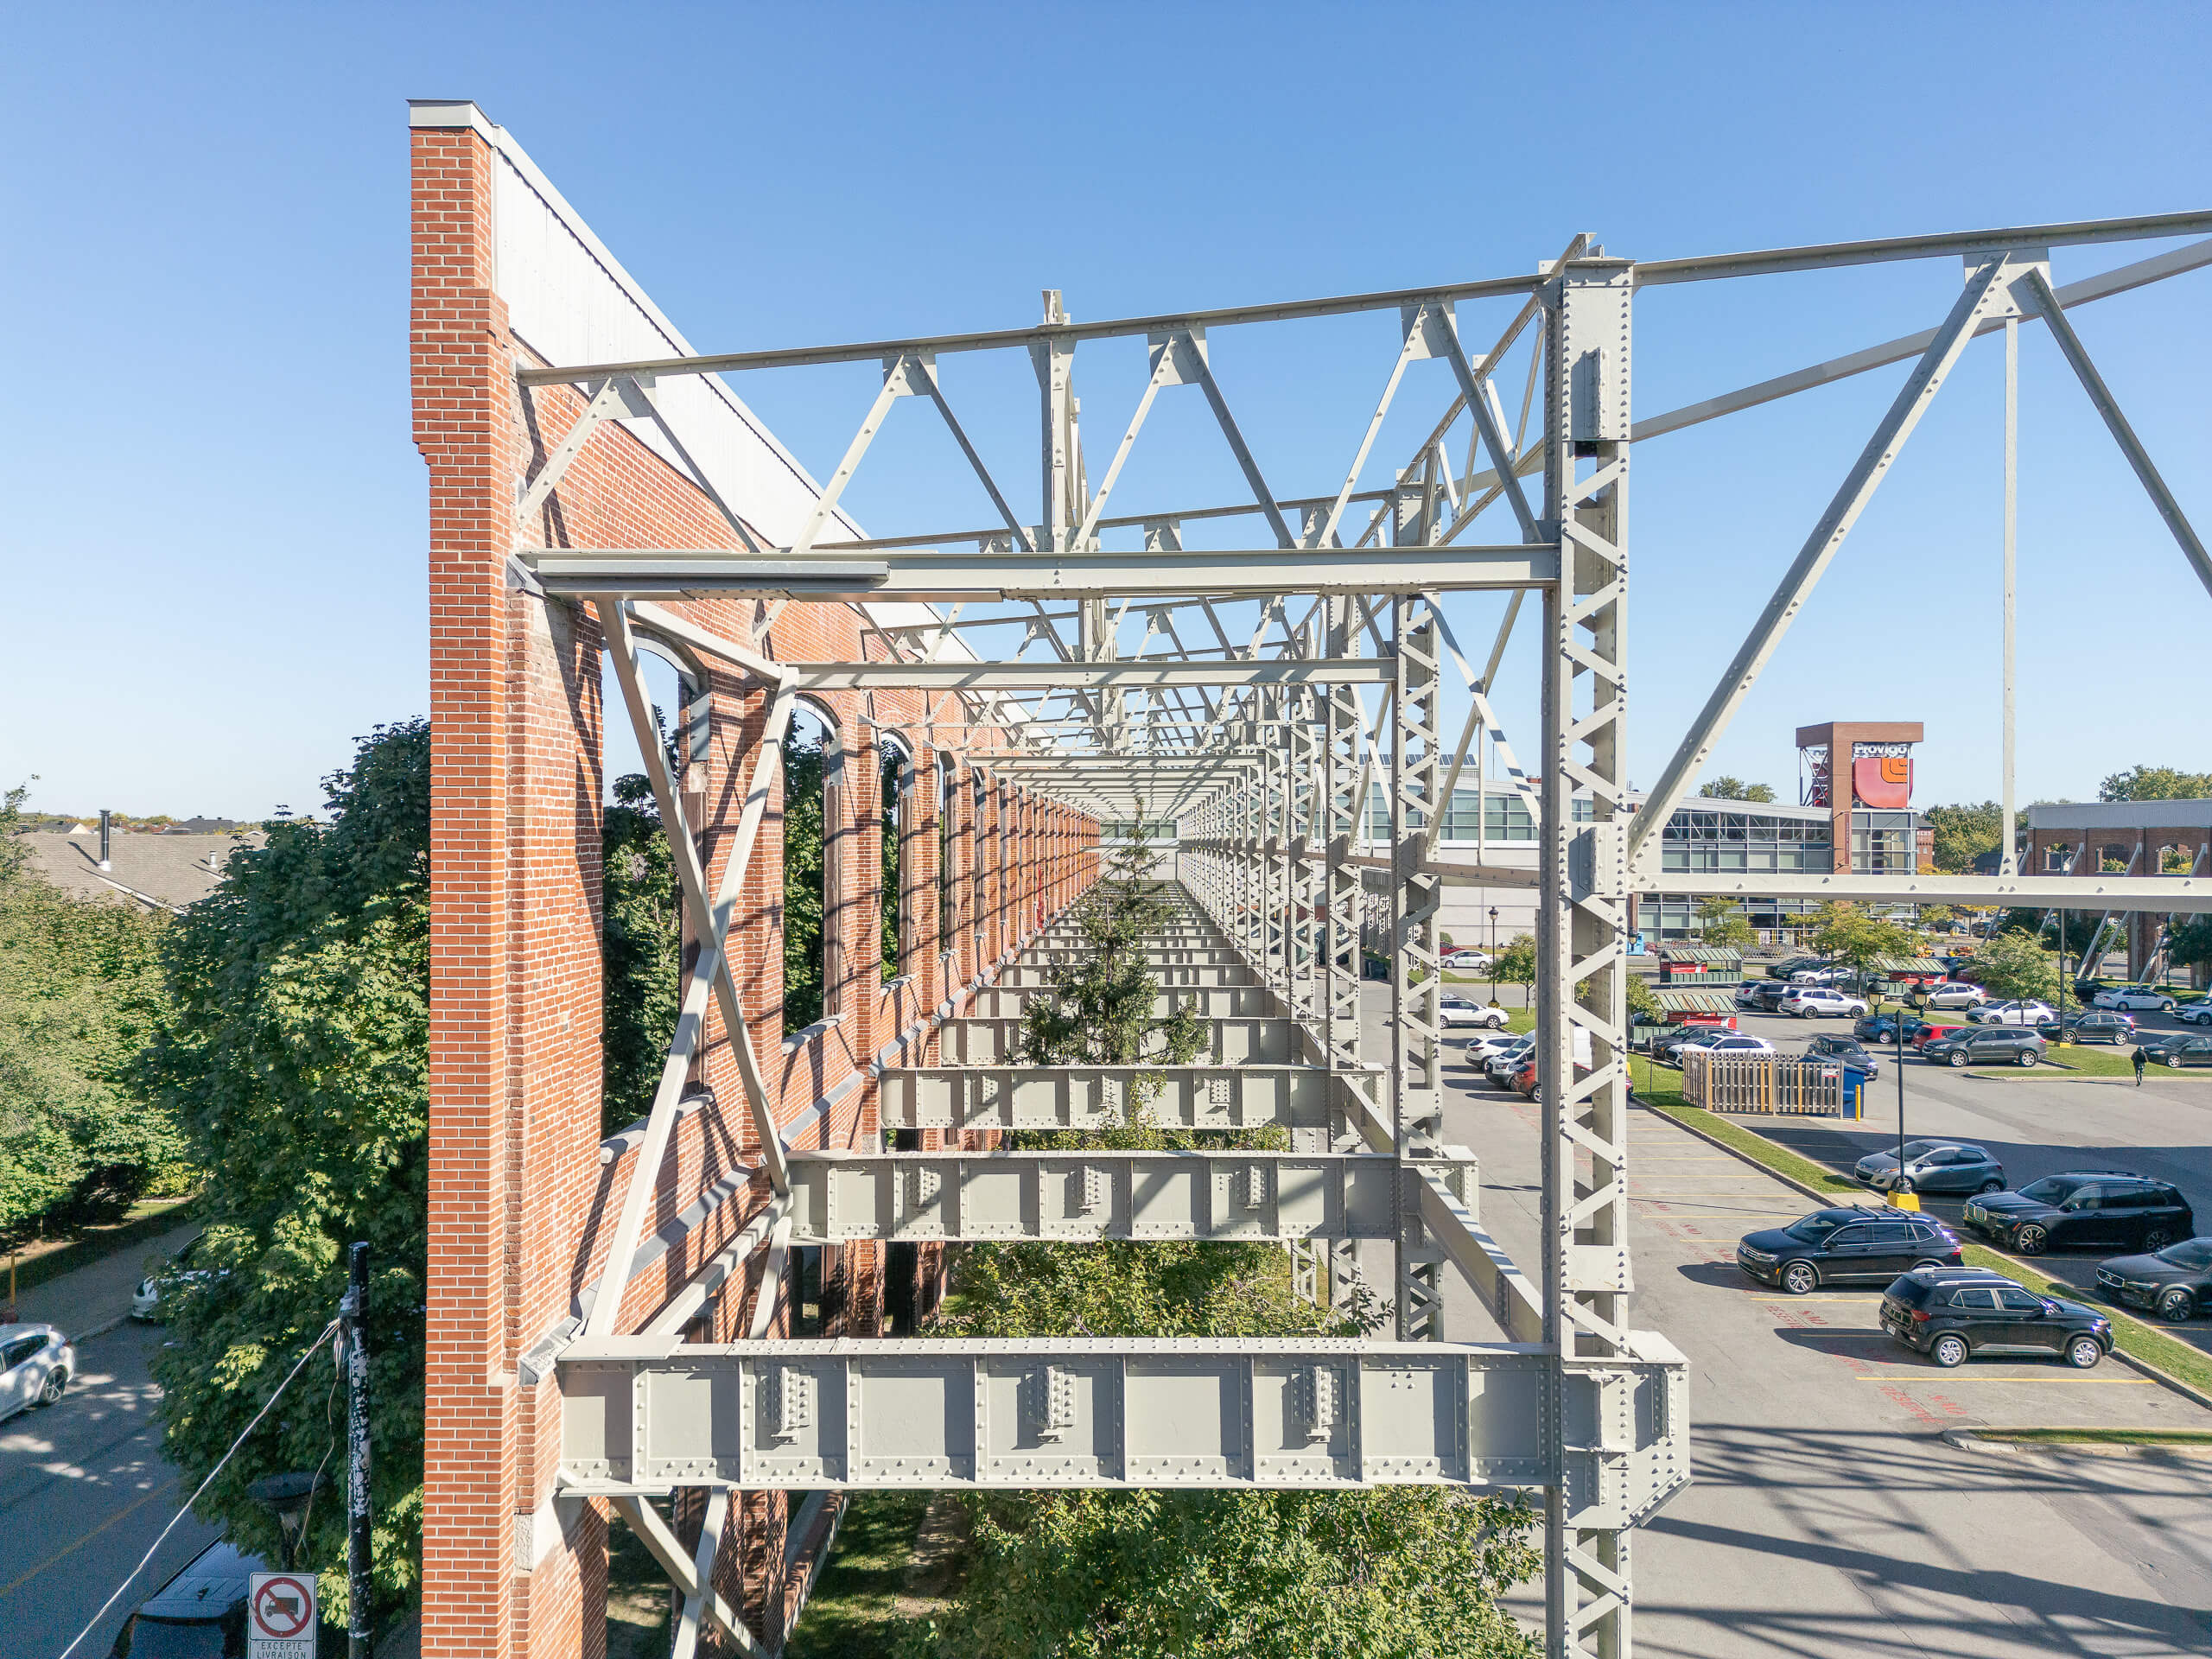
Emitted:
pixel 355 1312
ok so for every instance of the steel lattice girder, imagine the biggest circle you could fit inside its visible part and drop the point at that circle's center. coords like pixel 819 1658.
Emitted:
pixel 1272 1041
pixel 679 572
pixel 1083 1197
pixel 641 1416
pixel 1099 1097
pixel 1004 1002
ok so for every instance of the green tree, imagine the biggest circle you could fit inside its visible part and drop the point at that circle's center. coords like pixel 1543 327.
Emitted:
pixel 1964 832
pixel 1099 1009
pixel 2156 784
pixel 1516 963
pixel 2015 965
pixel 2189 943
pixel 1414 1571
pixel 1642 999
pixel 80 985
pixel 1844 933
pixel 295 1055
pixel 803 869
pixel 642 949
pixel 1724 788
pixel 1722 926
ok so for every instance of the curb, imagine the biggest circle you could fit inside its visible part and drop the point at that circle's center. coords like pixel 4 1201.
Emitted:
pixel 2166 1378
pixel 1974 1439
pixel 98 1329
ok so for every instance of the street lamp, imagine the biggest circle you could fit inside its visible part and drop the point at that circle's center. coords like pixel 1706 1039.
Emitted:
pixel 1493 956
pixel 286 1498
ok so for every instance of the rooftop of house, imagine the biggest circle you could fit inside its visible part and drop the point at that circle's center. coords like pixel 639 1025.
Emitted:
pixel 169 869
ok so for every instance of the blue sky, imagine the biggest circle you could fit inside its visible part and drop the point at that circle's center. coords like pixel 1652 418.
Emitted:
pixel 214 540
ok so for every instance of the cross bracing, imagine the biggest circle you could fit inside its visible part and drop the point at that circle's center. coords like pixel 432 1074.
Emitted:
pixel 1258 694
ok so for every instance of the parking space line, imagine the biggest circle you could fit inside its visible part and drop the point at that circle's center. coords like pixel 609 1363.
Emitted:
pixel 1949 1377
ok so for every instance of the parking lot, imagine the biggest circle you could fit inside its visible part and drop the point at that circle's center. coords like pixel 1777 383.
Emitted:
pixel 1830 1515
pixel 2038 1122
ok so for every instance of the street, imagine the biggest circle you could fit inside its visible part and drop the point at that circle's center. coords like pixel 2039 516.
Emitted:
pixel 1829 1517
pixel 83 1487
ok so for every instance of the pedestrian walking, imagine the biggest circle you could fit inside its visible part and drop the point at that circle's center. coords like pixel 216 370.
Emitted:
pixel 2141 1061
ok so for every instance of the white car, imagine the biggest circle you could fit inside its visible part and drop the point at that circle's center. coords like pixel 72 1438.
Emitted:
pixel 1473 961
pixel 1484 1043
pixel 2135 997
pixel 146 1301
pixel 2196 1013
pixel 36 1363
pixel 1505 1059
pixel 1804 1002
pixel 1457 1011
pixel 1952 994
pixel 2030 1012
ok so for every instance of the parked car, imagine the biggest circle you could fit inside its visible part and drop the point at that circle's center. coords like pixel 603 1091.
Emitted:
pixel 2136 998
pixel 1463 958
pixel 1843 1050
pixel 1525 1076
pixel 1805 1001
pixel 2028 1013
pixel 1766 994
pixel 1846 1247
pixel 2099 1026
pixel 2176 1049
pixel 36 1362
pixel 1933 1166
pixel 146 1301
pixel 1481 1045
pixel 2198 1012
pixel 1986 1045
pixel 2082 1208
pixel 1825 975
pixel 1506 1061
pixel 1459 1011
pixel 199 1614
pixel 1714 1040
pixel 1881 1029
pixel 2175 1282
pixel 1952 1315
pixel 1953 993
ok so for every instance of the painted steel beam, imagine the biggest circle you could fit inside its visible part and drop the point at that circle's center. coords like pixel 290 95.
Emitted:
pixel 1002 1000
pixel 928 574
pixel 2079 232
pixel 2188 894
pixel 1230 1042
pixel 1280 1413
pixel 1086 1196
pixel 1129 674
pixel 1105 1096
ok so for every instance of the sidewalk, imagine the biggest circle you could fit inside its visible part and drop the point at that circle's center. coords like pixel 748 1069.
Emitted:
pixel 96 1297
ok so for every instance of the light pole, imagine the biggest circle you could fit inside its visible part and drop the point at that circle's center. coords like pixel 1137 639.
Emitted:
pixel 1493 956
pixel 286 1498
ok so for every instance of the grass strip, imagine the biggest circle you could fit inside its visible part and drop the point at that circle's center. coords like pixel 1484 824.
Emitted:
pixel 148 1219
pixel 2096 1436
pixel 2132 1336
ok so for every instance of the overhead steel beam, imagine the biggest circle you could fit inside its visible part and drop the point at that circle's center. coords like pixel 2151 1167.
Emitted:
pixel 1285 1413
pixel 1084 1196
pixel 1984 292
pixel 1128 673
pixel 933 576
pixel 1827 255
pixel 2185 894
pixel 1103 1096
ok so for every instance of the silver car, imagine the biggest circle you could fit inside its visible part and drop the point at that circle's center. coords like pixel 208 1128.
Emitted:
pixel 35 1365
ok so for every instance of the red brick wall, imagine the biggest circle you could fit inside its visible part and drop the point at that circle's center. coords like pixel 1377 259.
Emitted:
pixel 520 1201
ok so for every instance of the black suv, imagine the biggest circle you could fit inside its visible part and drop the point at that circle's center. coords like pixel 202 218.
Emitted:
pixel 1846 1247
pixel 1764 995
pixel 1985 1046
pixel 1948 1315
pixel 2177 1282
pixel 2084 1207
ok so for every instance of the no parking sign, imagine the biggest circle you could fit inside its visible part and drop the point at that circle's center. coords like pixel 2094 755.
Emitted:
pixel 280 1616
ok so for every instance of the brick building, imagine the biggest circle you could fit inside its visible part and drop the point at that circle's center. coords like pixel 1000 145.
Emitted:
pixel 2127 838
pixel 508 276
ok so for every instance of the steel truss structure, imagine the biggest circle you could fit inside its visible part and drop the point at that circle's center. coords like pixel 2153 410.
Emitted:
pixel 1275 686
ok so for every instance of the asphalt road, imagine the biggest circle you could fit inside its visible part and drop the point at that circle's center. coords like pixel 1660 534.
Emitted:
pixel 2038 1122
pixel 1828 1517
pixel 83 1492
